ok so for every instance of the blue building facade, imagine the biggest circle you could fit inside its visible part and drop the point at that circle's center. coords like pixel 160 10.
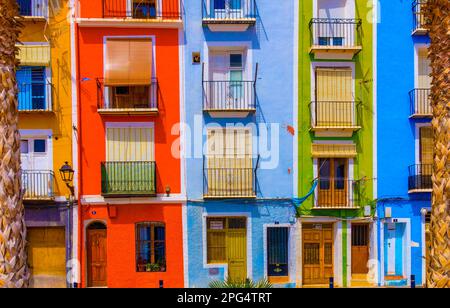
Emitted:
pixel 405 151
pixel 239 139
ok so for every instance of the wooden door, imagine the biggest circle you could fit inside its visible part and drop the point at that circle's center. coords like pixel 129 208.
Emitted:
pixel 237 255
pixel 333 183
pixel 47 257
pixel 96 254
pixel 317 253
pixel 360 248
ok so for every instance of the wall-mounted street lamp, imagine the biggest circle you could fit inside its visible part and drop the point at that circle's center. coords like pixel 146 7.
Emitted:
pixel 66 173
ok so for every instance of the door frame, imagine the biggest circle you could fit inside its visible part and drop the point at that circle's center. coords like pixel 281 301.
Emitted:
pixel 407 247
pixel 224 266
pixel 87 223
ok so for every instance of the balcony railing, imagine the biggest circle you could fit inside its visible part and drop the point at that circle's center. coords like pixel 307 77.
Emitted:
pixel 35 96
pixel 128 178
pixel 229 95
pixel 221 181
pixel 420 100
pixel 142 9
pixel 419 17
pixel 335 32
pixel 33 8
pixel 338 193
pixel 420 177
pixel 335 114
pixel 229 11
pixel 127 99
pixel 38 185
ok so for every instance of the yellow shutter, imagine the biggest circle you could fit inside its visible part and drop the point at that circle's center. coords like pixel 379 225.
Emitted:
pixel 34 55
pixel 424 78
pixel 129 144
pixel 426 145
pixel 333 150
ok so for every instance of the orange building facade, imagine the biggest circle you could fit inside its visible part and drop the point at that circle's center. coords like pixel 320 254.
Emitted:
pixel 130 189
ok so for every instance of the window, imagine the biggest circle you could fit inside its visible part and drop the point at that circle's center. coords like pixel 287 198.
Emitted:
pixel 150 247
pixel 32 88
pixel 39 146
pixel 144 8
pixel 331 41
pixel 426 145
pixel 24 146
pixel 278 252
pixel 129 144
pixel 226 239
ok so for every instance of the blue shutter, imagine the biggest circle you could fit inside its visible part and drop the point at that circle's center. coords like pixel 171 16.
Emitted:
pixel 23 77
pixel 38 88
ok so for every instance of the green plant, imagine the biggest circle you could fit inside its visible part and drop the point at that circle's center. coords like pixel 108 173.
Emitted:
pixel 240 284
pixel 152 267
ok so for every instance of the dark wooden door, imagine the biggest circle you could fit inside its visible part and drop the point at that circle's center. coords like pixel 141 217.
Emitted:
pixel 317 253
pixel 360 248
pixel 96 254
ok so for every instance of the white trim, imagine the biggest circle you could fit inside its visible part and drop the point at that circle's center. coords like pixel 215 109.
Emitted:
pixel 129 125
pixel 424 252
pixel 182 93
pixel 161 198
pixel 295 100
pixel 375 19
pixel 184 210
pixel 349 9
pixel 291 249
pixel 248 217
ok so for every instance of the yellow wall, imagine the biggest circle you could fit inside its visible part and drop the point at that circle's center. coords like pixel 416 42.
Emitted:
pixel 57 33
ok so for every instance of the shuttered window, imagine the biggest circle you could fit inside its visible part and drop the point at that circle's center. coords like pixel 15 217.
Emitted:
pixel 229 148
pixel 129 144
pixel 426 145
pixel 334 84
pixel 277 251
pixel 128 62
pixel 31 81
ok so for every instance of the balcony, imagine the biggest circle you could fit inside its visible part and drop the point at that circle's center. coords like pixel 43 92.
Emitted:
pixel 33 9
pixel 128 179
pixel 420 100
pixel 338 193
pixel 419 179
pixel 335 118
pixel 35 97
pixel 38 185
pixel 222 182
pixel 419 17
pixel 127 100
pixel 131 13
pixel 229 15
pixel 335 38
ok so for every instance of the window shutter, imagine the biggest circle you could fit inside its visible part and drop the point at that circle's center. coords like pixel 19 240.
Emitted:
pixel 334 84
pixel 128 62
pixel 426 145
pixel 129 144
pixel 424 69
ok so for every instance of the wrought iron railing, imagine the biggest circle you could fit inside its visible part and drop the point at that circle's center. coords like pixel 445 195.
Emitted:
pixel 420 177
pixel 337 32
pixel 35 96
pixel 418 15
pixel 38 184
pixel 229 95
pixel 338 193
pixel 335 114
pixel 128 178
pixel 118 98
pixel 142 9
pixel 420 100
pixel 223 181
pixel 34 8
pixel 230 11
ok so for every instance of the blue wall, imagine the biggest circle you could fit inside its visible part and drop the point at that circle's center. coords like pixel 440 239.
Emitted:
pixel 272 47
pixel 396 132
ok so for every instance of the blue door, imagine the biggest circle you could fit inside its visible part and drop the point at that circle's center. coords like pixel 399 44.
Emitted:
pixel 394 250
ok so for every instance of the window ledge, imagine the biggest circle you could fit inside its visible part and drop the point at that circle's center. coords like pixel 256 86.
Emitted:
pixel 130 22
pixel 129 111
pixel 335 52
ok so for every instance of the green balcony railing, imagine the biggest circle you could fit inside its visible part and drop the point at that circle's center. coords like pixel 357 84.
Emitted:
pixel 122 179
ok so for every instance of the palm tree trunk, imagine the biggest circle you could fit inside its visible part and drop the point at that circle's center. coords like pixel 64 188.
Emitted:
pixel 437 16
pixel 13 255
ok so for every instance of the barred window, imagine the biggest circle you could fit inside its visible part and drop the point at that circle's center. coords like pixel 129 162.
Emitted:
pixel 150 247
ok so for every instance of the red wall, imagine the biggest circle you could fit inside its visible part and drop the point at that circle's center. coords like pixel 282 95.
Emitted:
pixel 93 125
pixel 121 245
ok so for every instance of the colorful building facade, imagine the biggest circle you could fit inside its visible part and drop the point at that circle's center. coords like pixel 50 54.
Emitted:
pixel 128 73
pixel 45 124
pixel 405 144
pixel 336 224
pixel 239 140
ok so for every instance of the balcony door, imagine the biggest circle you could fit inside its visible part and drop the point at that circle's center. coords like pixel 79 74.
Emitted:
pixel 227 9
pixel 226 89
pixel 230 163
pixel 333 182
pixel 334 97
